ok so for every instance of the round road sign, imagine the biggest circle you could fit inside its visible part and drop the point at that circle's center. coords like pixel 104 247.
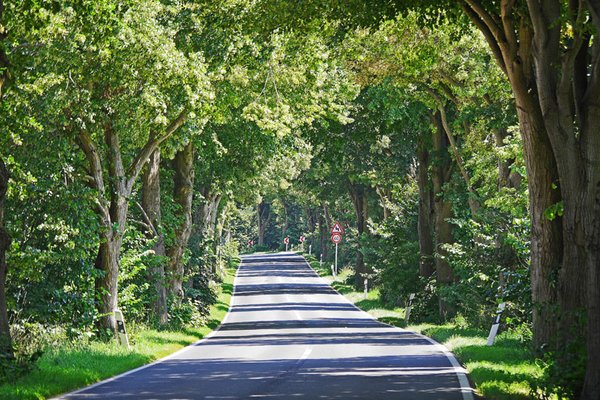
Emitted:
pixel 336 238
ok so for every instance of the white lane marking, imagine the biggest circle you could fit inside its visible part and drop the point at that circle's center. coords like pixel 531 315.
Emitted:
pixel 305 354
pixel 170 356
pixel 461 373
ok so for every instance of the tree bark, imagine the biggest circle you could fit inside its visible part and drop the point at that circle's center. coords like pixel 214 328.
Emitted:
pixel 112 230
pixel 286 220
pixel 221 219
pixel 183 191
pixel 426 248
pixel 323 234
pixel 509 35
pixel 384 198
pixel 5 338
pixel 441 173
pixel 152 207
pixel 506 178
pixel 359 196
pixel 311 224
pixel 211 231
pixel 264 217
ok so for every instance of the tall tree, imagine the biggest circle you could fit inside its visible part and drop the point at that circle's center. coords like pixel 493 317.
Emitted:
pixel 183 190
pixel 92 98
pixel 151 207
pixel 549 52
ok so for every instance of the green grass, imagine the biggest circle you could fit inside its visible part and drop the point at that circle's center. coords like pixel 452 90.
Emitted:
pixel 504 371
pixel 70 367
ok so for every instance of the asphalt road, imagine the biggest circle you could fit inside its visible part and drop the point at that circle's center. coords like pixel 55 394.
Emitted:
pixel 289 335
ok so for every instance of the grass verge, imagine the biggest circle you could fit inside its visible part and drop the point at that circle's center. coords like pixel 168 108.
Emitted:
pixel 505 371
pixel 69 367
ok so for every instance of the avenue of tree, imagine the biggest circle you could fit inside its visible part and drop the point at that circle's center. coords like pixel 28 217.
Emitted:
pixel 144 142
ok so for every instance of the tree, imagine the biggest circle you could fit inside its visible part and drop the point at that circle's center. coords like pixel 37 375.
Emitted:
pixel 151 209
pixel 105 67
pixel 549 52
pixel 5 339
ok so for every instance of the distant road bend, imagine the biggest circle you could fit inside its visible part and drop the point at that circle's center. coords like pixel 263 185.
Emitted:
pixel 289 335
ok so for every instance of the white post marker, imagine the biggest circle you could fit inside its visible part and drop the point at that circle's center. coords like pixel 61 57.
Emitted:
pixel 121 332
pixel 411 297
pixel 310 249
pixel 366 287
pixel 333 271
pixel 321 260
pixel 496 324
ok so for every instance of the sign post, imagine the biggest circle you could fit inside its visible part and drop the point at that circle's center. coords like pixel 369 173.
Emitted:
pixel 337 233
pixel 122 337
pixel 286 240
pixel 336 238
pixel 496 324
pixel 310 249
pixel 336 254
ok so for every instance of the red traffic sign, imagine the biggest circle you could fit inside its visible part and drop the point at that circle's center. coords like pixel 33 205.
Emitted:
pixel 337 229
pixel 302 239
pixel 336 238
pixel 250 243
pixel 286 240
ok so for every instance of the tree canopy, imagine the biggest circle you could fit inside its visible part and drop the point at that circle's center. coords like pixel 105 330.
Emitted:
pixel 145 144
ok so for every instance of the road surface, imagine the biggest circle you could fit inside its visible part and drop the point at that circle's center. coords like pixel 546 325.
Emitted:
pixel 289 335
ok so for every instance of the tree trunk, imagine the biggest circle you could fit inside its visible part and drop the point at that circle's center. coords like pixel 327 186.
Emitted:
pixel 384 199
pixel 506 178
pixel 111 232
pixel 311 224
pixel 151 207
pixel 441 173
pixel 286 220
pixel 359 196
pixel 426 259
pixel 264 216
pixel 107 264
pixel 546 235
pixel 323 235
pixel 218 231
pixel 183 191
pixel 5 339
pixel 510 39
pixel 211 231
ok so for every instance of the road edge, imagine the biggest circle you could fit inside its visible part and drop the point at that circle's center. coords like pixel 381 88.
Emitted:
pixel 467 391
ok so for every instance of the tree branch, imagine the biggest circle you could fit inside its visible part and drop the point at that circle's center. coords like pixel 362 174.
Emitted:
pixel 459 160
pixel 490 20
pixel 506 15
pixel 149 225
pixel 487 34
pixel 86 144
pixel 152 144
